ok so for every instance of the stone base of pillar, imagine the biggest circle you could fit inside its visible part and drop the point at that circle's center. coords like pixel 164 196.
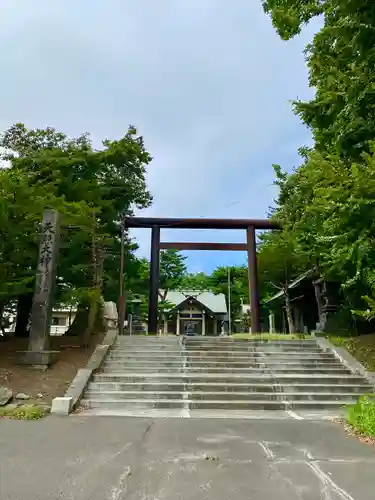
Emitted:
pixel 38 359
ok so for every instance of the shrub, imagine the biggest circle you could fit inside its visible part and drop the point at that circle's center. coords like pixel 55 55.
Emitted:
pixel 24 412
pixel 361 416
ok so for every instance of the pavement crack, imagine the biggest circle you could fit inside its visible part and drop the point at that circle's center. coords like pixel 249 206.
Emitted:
pixel 267 450
pixel 119 490
pixel 328 485
pixel 147 430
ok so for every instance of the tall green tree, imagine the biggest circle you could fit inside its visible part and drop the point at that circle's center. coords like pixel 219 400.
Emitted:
pixel 327 206
pixel 341 62
pixel 172 271
pixel 22 202
pixel 279 263
pixel 195 281
pixel 109 181
pixel 238 282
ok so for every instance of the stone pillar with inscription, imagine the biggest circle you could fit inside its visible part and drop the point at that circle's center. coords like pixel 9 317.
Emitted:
pixel 39 353
pixel 271 322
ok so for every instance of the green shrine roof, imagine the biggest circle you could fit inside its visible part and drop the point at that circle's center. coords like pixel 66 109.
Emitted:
pixel 216 303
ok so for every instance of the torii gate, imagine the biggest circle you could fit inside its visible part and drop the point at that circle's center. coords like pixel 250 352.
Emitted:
pixel 155 224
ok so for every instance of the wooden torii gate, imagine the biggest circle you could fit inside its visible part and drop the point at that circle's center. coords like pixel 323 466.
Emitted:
pixel 155 224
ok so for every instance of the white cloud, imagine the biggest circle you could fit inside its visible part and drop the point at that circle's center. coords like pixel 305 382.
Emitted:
pixel 207 82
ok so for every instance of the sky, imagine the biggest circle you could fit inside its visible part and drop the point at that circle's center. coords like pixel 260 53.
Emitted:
pixel 207 83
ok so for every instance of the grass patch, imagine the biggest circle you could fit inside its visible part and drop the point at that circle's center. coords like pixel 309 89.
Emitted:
pixel 361 416
pixel 24 412
pixel 362 348
pixel 270 336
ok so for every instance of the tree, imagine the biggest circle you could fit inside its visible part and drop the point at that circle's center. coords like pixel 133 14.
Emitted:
pixel 341 61
pixel 107 181
pixel 171 274
pixel 172 271
pixel 327 203
pixel 22 201
pixel 278 264
pixel 328 207
pixel 195 281
pixel 218 282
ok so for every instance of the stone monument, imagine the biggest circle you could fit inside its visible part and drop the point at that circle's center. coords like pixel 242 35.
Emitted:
pixel 110 315
pixel 136 324
pixel 39 354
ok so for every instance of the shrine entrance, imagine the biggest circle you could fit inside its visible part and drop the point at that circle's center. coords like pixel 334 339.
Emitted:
pixel 191 327
pixel 155 224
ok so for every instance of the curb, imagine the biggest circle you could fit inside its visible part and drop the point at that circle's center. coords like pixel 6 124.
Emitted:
pixel 347 360
pixel 66 404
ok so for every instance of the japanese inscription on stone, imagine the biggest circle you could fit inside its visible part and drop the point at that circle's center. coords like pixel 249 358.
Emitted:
pixel 45 278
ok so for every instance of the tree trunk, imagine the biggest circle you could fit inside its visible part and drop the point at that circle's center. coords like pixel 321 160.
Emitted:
pixel 163 295
pixel 94 308
pixel 79 323
pixel 99 325
pixel 2 325
pixel 70 316
pixel 24 306
pixel 91 316
pixel 289 313
pixel 89 319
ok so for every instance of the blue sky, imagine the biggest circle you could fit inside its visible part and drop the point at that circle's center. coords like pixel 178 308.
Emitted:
pixel 207 83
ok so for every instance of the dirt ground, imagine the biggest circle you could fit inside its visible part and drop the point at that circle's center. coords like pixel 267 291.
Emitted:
pixel 38 384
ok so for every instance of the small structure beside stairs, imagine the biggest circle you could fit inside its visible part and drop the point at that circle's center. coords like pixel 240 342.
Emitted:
pixel 313 301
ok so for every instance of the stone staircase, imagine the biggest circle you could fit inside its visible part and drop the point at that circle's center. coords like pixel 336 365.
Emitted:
pixel 183 376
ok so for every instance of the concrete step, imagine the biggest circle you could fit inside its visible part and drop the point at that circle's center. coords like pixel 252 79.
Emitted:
pixel 263 337
pixel 243 342
pixel 254 350
pixel 222 396
pixel 126 339
pixel 184 375
pixel 149 345
pixel 153 347
pixel 248 378
pixel 250 344
pixel 180 361
pixel 142 354
pixel 314 415
pixel 215 404
pixel 166 387
pixel 260 363
pixel 137 368
pixel 151 351
pixel 216 352
pixel 210 340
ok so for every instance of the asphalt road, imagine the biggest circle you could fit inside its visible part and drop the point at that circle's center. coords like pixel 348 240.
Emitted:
pixel 113 458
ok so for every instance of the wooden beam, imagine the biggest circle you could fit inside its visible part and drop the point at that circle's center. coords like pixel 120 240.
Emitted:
pixel 154 281
pixel 201 223
pixel 242 247
pixel 253 280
